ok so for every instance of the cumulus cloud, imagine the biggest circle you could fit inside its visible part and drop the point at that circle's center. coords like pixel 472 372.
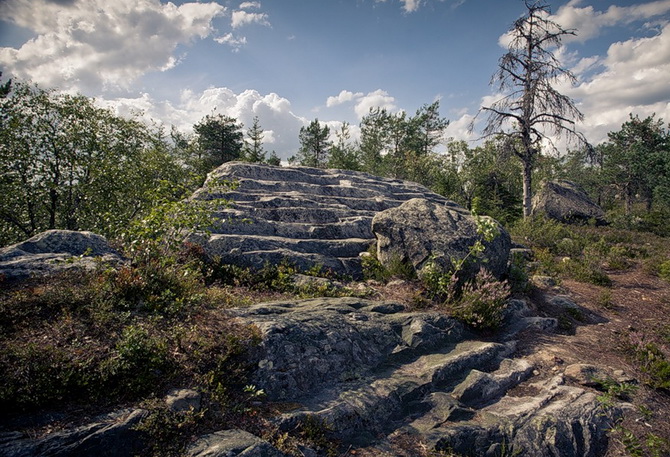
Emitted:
pixel 281 126
pixel 343 97
pixel 92 44
pixel 588 22
pixel 377 99
pixel 241 17
pixel 233 41
pixel 633 79
pixel 363 102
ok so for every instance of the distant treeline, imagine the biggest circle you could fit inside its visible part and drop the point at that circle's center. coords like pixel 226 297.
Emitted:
pixel 67 163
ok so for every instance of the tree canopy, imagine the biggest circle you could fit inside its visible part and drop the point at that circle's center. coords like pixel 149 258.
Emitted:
pixel 66 163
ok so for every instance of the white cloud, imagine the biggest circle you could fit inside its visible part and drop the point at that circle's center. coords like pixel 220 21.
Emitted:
pixel 588 22
pixel 281 126
pixel 250 5
pixel 411 5
pixel 241 18
pixel 343 97
pixel 634 79
pixel 233 41
pixel 87 45
pixel 377 99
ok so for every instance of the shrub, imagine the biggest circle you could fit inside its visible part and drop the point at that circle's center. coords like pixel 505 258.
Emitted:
pixel 664 270
pixel 482 302
pixel 540 232
pixel 139 363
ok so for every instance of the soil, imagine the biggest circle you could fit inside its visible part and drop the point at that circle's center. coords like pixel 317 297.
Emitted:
pixel 636 307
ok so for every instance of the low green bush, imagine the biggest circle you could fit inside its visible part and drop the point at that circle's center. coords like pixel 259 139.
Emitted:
pixel 482 302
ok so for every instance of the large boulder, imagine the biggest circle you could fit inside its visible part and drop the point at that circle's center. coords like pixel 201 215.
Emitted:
pixel 421 231
pixel 308 216
pixel 564 201
pixel 54 251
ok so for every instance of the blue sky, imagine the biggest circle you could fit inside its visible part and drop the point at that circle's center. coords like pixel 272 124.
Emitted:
pixel 290 61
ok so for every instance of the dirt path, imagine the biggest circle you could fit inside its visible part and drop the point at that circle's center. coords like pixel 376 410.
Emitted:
pixel 635 308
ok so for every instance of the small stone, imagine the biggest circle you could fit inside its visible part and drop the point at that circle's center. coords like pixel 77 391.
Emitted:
pixel 585 374
pixel 183 400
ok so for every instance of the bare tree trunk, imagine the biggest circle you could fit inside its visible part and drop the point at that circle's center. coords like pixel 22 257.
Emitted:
pixel 527 180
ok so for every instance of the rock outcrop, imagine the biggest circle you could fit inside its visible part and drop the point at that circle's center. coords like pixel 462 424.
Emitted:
pixel 308 216
pixel 376 375
pixel 419 231
pixel 111 435
pixel 54 251
pixel 564 201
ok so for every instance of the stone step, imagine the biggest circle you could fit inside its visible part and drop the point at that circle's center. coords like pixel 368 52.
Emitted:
pixel 231 244
pixel 294 199
pixel 239 223
pixel 360 410
pixel 524 424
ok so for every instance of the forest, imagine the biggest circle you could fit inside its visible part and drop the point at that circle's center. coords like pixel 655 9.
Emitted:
pixel 67 163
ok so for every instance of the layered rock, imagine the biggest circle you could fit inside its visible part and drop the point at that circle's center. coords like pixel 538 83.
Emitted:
pixel 564 201
pixel 308 216
pixel 421 231
pixel 374 374
pixel 54 251
pixel 371 375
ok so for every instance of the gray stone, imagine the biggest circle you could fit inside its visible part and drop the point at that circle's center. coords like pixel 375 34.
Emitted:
pixel 55 251
pixel 232 443
pixel 564 201
pixel 372 372
pixel 545 282
pixel 564 302
pixel 307 344
pixel 112 435
pixel 308 216
pixel 183 400
pixel 480 387
pixel 586 374
pixel 421 231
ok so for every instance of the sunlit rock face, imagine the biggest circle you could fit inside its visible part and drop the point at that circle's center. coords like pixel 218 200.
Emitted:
pixel 308 216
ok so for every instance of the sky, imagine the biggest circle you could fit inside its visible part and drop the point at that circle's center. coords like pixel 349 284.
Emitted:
pixel 292 61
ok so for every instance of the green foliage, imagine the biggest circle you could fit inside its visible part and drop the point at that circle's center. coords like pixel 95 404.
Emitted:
pixel 664 270
pixel 584 270
pixel 540 232
pixel 372 267
pixel 218 140
pixel 652 361
pixel 401 146
pixel 168 433
pixel 139 362
pixel 343 154
pixel 482 302
pixel 253 151
pixel 314 146
pixel 650 445
pixel 66 163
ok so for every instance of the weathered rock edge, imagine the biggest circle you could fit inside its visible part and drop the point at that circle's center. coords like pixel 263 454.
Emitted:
pixel 54 251
pixel 308 216
pixel 375 373
pixel 564 201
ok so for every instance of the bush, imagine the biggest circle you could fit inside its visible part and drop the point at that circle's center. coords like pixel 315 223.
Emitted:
pixel 540 232
pixel 482 302
pixel 664 270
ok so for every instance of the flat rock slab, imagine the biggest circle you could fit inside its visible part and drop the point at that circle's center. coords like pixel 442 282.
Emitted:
pixel 372 372
pixel 308 216
pixel 54 251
